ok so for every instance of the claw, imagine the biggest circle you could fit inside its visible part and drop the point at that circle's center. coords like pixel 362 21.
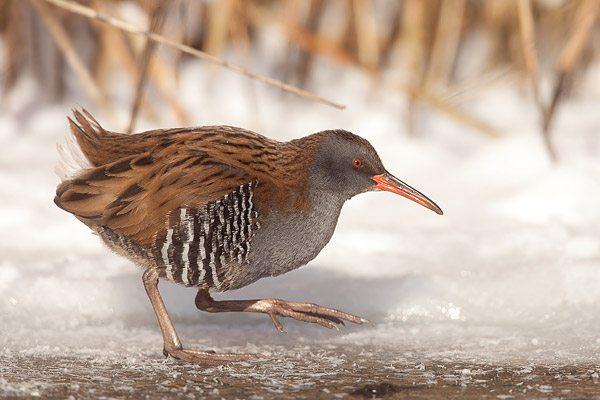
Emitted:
pixel 366 321
pixel 276 322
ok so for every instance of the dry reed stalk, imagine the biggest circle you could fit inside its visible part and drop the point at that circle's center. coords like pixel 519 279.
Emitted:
pixel 389 39
pixel 178 32
pixel 468 89
pixel 445 44
pixel 418 93
pixel 15 42
pixel 311 25
pixel 238 30
pixel 121 56
pixel 414 28
pixel 114 52
pixel 316 44
pixel 367 41
pixel 119 24
pixel 581 27
pixel 162 75
pixel 239 33
pixel 219 22
pixel 307 41
pixel 413 37
pixel 527 35
pixel 61 38
pixel 499 18
pixel 335 35
pixel 294 65
pixel 158 19
pixel 118 53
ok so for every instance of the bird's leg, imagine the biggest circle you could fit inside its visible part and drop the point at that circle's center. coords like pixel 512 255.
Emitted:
pixel 172 344
pixel 306 312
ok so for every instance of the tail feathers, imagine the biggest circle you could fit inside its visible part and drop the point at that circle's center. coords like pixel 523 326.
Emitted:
pixel 89 132
pixel 82 146
pixel 90 136
pixel 72 159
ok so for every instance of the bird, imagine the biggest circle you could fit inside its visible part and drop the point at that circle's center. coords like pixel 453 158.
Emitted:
pixel 217 208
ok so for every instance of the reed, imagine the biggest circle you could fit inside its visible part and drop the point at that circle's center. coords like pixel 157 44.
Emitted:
pixel 425 43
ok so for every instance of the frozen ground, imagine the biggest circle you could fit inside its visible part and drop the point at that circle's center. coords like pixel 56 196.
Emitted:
pixel 498 297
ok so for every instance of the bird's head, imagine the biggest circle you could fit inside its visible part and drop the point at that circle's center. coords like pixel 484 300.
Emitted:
pixel 346 164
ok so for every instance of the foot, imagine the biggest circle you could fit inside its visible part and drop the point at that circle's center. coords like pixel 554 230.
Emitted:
pixel 306 312
pixel 209 357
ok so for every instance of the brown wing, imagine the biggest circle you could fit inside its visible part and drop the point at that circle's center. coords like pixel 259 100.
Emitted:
pixel 133 196
pixel 138 179
pixel 103 147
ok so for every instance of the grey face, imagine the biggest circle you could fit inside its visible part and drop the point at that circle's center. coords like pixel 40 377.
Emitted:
pixel 344 165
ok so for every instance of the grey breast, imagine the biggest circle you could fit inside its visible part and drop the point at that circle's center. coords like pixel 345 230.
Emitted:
pixel 290 241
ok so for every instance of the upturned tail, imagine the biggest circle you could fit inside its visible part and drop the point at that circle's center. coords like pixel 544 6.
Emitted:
pixel 89 145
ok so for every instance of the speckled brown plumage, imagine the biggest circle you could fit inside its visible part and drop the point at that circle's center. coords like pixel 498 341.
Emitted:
pixel 219 207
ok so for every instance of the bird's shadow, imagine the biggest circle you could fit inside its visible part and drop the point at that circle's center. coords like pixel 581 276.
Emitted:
pixel 370 297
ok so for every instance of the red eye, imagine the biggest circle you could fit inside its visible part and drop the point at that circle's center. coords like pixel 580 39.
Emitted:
pixel 357 162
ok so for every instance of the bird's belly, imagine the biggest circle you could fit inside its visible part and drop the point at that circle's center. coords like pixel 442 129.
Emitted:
pixel 286 242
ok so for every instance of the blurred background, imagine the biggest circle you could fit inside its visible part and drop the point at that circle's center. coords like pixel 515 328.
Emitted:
pixel 437 55
pixel 491 108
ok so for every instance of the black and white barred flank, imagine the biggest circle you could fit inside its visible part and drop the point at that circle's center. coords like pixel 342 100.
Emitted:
pixel 197 244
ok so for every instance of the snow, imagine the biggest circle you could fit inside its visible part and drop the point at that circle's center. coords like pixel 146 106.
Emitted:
pixel 510 274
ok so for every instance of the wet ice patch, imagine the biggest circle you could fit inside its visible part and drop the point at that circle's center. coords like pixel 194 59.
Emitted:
pixel 510 271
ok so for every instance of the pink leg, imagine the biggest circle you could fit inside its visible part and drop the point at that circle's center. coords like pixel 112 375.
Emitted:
pixel 307 312
pixel 172 344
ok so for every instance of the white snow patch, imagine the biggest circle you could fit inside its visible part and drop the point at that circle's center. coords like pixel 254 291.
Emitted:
pixel 510 270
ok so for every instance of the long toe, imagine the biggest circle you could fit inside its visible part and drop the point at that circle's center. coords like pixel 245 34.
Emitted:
pixel 211 358
pixel 306 312
pixel 331 314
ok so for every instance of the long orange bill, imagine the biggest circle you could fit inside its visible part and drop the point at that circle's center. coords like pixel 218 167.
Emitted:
pixel 390 183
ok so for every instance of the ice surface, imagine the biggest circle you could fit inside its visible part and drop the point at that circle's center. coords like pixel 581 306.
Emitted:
pixel 510 275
